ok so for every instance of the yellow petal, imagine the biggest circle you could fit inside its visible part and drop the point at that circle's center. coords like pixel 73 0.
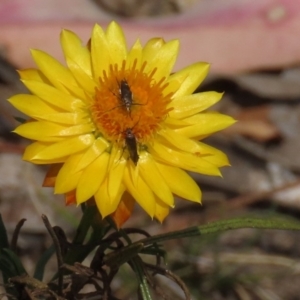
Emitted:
pixel 76 130
pixel 65 118
pixel 162 59
pixel 190 105
pixel 187 80
pixel 99 52
pixel 117 166
pixel 161 210
pixel 34 149
pixel 91 178
pixel 45 131
pixel 208 153
pixel 205 124
pixel 38 109
pixel 105 203
pixel 179 141
pixel 117 43
pixel 74 51
pixel 55 72
pixel 32 105
pixel 141 192
pixel 84 81
pixel 151 47
pixel 182 160
pixel 32 74
pixel 135 54
pixel 175 123
pixel 39 131
pixel 213 155
pixel 94 151
pixel 154 180
pixel 64 148
pixel 78 59
pixel 53 96
pixel 180 182
pixel 67 180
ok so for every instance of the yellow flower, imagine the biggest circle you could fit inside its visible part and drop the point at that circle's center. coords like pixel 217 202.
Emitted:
pixel 117 125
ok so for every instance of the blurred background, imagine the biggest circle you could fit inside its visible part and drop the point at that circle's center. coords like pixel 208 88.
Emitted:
pixel 254 51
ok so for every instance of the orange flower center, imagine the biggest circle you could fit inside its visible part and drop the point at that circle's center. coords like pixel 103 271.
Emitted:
pixel 130 100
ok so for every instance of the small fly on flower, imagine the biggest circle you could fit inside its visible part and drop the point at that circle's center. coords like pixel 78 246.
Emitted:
pixel 126 95
pixel 131 144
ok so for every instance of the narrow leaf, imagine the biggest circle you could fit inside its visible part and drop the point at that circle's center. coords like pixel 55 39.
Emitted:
pixel 3 235
pixel 137 266
pixel 219 226
pixel 40 266
pixel 84 225
pixel 14 260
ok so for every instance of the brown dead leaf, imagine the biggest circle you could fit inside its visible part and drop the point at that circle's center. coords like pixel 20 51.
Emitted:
pixel 254 123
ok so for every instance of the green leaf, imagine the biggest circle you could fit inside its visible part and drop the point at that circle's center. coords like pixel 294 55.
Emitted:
pixel 79 251
pixel 15 260
pixel 10 265
pixel 138 268
pixel 40 266
pixel 219 226
pixel 7 268
pixel 84 225
pixel 3 235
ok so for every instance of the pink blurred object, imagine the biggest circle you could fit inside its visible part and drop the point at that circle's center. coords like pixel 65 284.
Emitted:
pixel 233 35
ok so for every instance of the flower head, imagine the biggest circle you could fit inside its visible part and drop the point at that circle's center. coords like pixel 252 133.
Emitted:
pixel 117 126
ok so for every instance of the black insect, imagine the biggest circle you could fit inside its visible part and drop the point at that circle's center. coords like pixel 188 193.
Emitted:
pixel 131 144
pixel 125 95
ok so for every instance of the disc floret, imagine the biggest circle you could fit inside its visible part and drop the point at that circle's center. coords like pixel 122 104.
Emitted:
pixel 148 109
